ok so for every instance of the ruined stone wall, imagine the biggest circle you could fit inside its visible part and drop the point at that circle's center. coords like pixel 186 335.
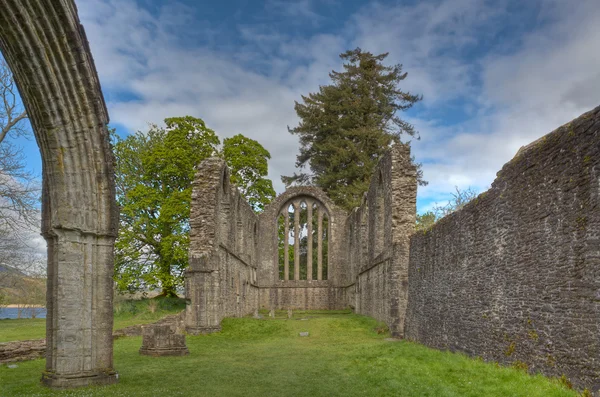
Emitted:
pixel 301 294
pixel 515 275
pixel 377 241
pixel 221 280
pixel 316 295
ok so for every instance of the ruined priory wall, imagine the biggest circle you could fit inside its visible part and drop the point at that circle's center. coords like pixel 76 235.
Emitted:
pixel 515 275
pixel 221 280
pixel 377 241
pixel 301 294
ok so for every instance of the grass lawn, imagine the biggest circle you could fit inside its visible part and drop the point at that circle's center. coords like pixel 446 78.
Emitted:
pixel 342 356
pixel 127 313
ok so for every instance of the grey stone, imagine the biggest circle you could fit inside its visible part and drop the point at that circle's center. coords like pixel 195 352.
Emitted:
pixel 162 340
pixel 12 366
pixel 221 280
pixel 22 350
pixel 66 108
pixel 303 333
pixel 513 276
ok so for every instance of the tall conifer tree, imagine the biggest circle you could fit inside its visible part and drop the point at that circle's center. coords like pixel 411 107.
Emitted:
pixel 346 126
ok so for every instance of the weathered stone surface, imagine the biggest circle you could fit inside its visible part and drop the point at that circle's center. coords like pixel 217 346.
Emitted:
pixel 515 275
pixel 300 294
pixel 367 251
pixel 377 241
pixel 221 280
pixel 303 295
pixel 134 330
pixel 163 340
pixel 268 269
pixel 46 48
pixel 22 350
pixel 303 333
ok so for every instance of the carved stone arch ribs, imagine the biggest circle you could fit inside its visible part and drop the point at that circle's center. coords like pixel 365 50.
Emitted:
pixel 46 48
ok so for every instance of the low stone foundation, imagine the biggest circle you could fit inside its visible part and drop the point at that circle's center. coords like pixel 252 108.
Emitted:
pixel 22 350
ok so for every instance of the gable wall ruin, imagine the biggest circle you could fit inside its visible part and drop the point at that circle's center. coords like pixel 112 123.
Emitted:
pixel 221 280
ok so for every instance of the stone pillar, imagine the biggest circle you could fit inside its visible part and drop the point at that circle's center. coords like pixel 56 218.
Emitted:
pixel 296 240
pixel 309 206
pixel 319 243
pixel 79 318
pixel 286 245
pixel 203 315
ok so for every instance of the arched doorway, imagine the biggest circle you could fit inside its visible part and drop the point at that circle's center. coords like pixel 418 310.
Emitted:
pixel 46 48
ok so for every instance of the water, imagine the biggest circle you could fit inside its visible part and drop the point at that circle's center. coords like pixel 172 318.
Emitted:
pixel 13 312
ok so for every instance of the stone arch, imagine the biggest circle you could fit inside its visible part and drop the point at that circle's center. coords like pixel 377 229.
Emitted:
pixel 46 48
pixel 303 261
pixel 295 196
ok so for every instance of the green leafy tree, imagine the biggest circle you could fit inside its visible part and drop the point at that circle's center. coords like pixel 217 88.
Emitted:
pixel 248 162
pixel 154 175
pixel 457 202
pixel 425 221
pixel 347 125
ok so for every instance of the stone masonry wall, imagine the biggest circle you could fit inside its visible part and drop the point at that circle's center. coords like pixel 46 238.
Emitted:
pixel 221 280
pixel 515 275
pixel 301 294
pixel 377 242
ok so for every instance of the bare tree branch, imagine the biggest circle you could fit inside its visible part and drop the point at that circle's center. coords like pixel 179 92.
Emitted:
pixel 19 189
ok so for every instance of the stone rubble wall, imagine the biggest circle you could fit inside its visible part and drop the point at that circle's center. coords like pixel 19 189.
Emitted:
pixel 514 276
pixel 221 280
pixel 22 350
pixel 377 241
pixel 303 295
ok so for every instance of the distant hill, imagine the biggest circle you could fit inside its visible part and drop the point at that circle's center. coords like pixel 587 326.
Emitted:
pixel 16 287
pixel 9 269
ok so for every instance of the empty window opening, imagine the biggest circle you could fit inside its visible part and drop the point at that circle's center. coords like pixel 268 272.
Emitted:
pixel 302 240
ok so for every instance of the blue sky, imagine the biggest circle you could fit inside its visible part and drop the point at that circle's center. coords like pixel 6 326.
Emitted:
pixel 495 75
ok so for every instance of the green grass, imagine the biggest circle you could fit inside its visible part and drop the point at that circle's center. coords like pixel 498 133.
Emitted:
pixel 126 313
pixel 342 356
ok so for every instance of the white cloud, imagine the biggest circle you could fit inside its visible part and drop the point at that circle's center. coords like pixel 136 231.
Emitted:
pixel 526 92
pixel 515 93
pixel 135 54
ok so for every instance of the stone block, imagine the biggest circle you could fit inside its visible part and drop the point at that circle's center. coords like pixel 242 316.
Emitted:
pixel 162 340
